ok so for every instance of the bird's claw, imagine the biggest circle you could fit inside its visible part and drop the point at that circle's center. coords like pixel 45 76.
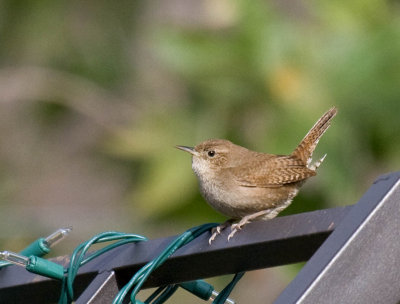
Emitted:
pixel 212 238
pixel 238 226
pixel 215 231
pixel 234 230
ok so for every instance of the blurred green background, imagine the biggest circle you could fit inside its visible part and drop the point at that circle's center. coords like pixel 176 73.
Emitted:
pixel 95 94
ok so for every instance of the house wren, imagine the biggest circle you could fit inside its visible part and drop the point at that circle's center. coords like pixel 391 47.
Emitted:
pixel 247 185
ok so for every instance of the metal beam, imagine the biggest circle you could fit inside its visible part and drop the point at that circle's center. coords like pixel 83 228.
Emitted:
pixel 359 262
pixel 102 289
pixel 280 241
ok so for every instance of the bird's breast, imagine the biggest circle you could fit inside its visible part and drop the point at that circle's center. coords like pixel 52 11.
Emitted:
pixel 237 201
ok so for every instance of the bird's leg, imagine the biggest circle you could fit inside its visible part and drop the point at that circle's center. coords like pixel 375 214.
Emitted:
pixel 245 220
pixel 217 230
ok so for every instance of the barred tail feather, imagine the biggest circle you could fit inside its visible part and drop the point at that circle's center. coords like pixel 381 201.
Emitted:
pixel 307 146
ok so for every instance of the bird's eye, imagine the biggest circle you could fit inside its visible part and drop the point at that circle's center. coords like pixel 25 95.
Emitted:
pixel 211 153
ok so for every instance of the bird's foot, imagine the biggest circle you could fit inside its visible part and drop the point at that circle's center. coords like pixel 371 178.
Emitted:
pixel 232 233
pixel 238 226
pixel 217 230
pixel 245 220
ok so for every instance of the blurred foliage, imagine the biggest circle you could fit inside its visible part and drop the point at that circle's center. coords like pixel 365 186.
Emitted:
pixel 94 95
pixel 262 79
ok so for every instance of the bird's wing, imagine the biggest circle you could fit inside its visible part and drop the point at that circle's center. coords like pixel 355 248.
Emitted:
pixel 273 172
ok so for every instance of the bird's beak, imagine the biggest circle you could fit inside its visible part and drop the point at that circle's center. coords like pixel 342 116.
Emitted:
pixel 187 149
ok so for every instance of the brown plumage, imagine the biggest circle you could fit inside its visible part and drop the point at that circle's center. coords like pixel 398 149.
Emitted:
pixel 249 185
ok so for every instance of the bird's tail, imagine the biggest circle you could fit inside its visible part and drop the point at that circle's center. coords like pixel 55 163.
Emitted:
pixel 307 146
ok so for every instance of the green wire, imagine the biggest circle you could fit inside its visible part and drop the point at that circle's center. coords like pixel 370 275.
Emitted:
pixel 185 238
pixel 155 294
pixel 224 294
pixel 140 277
pixel 79 258
pixel 168 292
pixel 79 253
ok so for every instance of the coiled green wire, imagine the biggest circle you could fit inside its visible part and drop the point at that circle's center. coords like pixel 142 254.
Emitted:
pixel 78 258
pixel 140 277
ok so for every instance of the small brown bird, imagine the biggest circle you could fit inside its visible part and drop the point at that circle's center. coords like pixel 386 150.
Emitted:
pixel 247 185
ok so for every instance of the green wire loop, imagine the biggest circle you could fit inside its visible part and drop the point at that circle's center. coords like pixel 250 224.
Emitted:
pixel 79 258
pixel 137 281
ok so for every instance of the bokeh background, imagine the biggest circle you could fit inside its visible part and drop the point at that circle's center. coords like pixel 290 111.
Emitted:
pixel 95 94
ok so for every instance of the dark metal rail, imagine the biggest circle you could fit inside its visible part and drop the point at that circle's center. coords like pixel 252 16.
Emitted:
pixel 359 262
pixel 280 241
